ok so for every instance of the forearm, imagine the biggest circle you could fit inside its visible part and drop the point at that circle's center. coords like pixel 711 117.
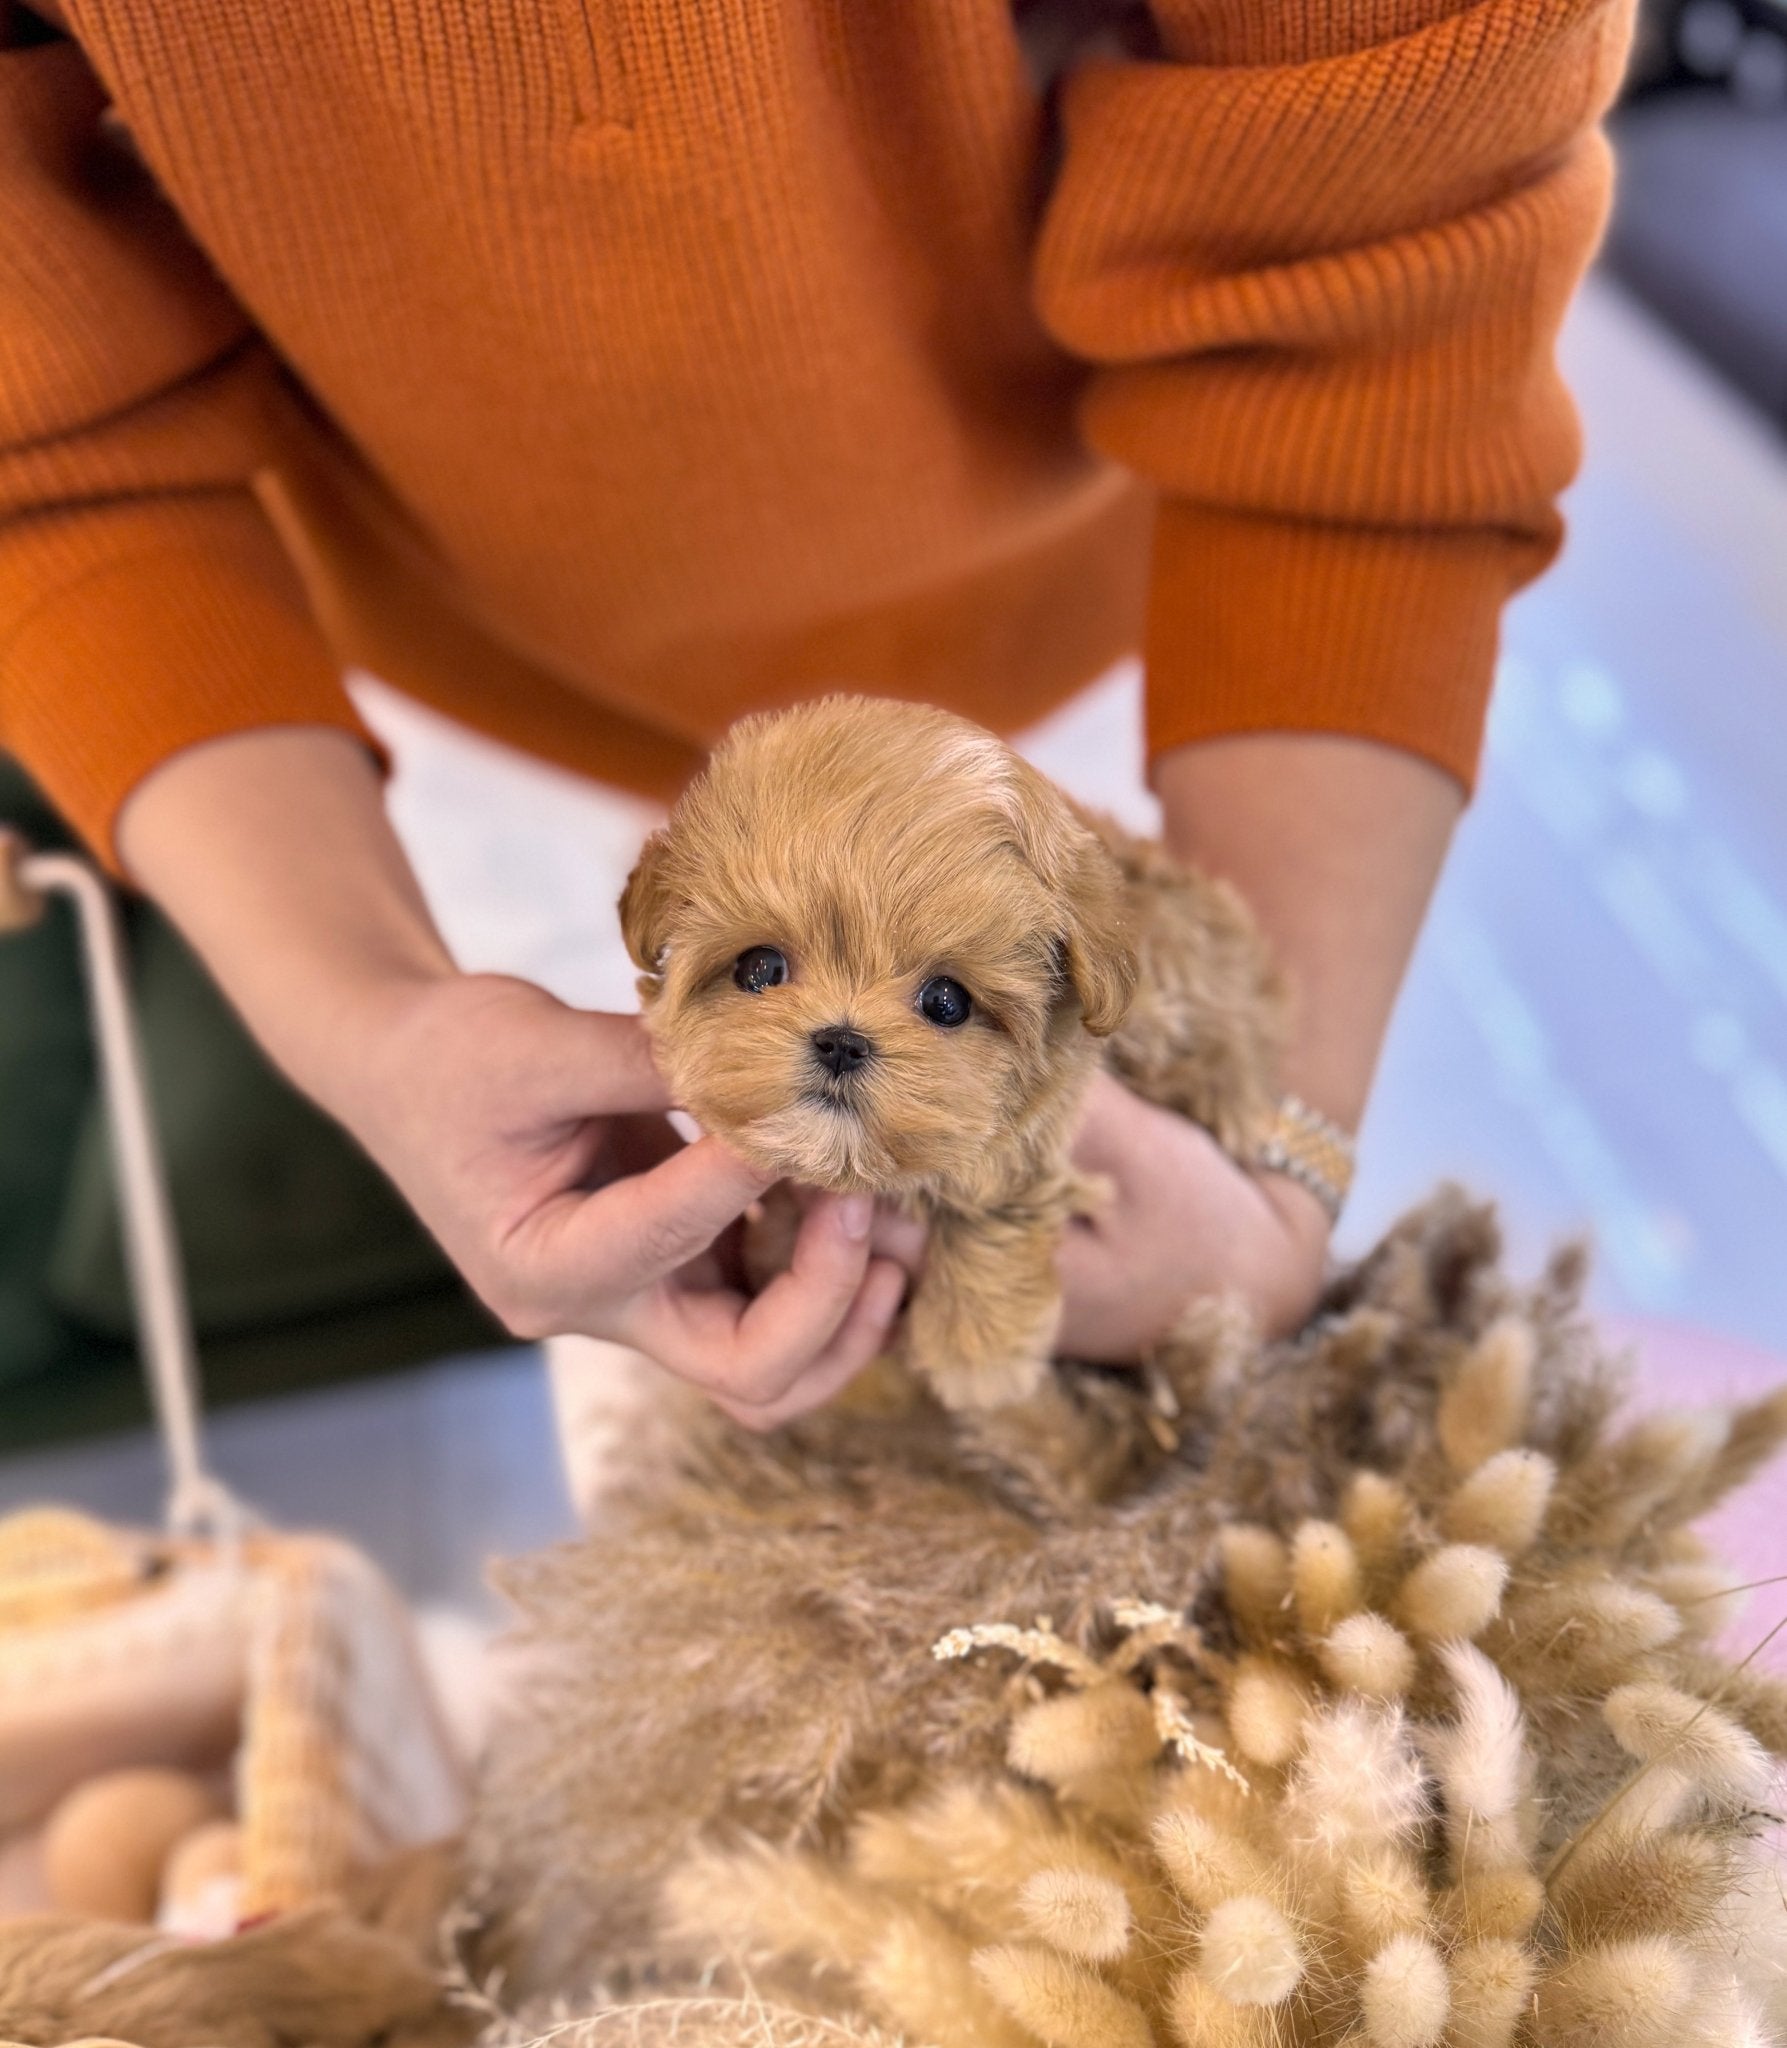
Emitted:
pixel 272 853
pixel 1336 844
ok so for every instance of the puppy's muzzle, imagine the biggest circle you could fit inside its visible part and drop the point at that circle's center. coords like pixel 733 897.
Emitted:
pixel 841 1051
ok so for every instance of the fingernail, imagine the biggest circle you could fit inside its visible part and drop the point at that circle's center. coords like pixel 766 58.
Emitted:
pixel 856 1213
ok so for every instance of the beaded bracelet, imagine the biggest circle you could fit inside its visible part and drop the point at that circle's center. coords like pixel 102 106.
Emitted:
pixel 1310 1149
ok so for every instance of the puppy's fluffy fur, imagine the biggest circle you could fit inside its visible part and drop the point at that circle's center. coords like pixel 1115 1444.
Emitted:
pixel 875 848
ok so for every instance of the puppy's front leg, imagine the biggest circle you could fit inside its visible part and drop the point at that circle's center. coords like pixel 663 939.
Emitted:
pixel 982 1320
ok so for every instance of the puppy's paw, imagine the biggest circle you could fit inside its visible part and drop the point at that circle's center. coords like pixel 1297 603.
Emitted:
pixel 977 1359
pixel 986 1382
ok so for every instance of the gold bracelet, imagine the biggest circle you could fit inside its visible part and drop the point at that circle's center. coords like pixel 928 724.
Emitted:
pixel 1310 1149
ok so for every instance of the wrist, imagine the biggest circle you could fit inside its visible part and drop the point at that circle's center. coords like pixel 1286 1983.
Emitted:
pixel 350 1046
pixel 1311 1150
pixel 1292 1282
pixel 1334 844
pixel 332 1001
pixel 1300 1214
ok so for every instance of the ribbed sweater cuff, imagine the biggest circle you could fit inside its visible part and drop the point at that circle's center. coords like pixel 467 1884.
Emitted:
pixel 157 649
pixel 1261 625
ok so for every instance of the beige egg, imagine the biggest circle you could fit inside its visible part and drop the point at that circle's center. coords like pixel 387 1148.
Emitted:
pixel 198 1860
pixel 105 1844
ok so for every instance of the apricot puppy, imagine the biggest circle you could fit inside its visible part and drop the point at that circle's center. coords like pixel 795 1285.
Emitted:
pixel 878 952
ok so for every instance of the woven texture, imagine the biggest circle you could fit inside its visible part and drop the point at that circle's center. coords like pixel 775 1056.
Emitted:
pixel 659 362
pixel 298 1657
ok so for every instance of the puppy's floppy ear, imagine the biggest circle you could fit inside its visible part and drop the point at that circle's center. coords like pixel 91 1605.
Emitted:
pixel 1080 871
pixel 646 904
pixel 1095 941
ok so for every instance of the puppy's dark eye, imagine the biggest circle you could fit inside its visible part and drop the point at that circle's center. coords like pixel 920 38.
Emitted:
pixel 947 1003
pixel 758 968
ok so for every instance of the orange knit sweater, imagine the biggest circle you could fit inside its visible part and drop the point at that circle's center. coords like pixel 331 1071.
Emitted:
pixel 598 369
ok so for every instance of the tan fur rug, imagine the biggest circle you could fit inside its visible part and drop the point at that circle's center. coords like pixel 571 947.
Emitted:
pixel 1356 1689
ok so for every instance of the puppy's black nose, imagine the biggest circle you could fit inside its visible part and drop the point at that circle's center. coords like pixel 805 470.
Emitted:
pixel 839 1050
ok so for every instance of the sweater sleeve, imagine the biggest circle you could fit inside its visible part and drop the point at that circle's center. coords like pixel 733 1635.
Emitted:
pixel 1317 255
pixel 146 602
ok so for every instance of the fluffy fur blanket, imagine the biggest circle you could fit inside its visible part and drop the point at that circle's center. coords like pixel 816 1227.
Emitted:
pixel 1356 1689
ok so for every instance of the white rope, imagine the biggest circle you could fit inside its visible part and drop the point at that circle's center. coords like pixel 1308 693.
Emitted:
pixel 198 1502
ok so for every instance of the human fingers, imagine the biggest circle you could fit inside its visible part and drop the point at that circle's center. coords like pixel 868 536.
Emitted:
pixel 862 1335
pixel 596 1253
pixel 803 1311
pixel 577 1063
pixel 897 1236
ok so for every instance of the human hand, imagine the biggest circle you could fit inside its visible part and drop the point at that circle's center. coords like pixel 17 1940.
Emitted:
pixel 531 1139
pixel 1183 1220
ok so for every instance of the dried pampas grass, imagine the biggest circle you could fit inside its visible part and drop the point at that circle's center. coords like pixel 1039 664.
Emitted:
pixel 1369 1655
pixel 1077 1912
pixel 1367 1703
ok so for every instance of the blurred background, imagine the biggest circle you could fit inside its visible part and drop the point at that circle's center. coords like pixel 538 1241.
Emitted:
pixel 1594 1033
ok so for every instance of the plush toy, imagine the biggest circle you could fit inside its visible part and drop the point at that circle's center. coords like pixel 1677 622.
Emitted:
pixel 881 952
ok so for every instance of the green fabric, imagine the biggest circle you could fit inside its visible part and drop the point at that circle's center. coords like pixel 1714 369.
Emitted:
pixel 278 1212
pixel 46 1084
pixel 302 1261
